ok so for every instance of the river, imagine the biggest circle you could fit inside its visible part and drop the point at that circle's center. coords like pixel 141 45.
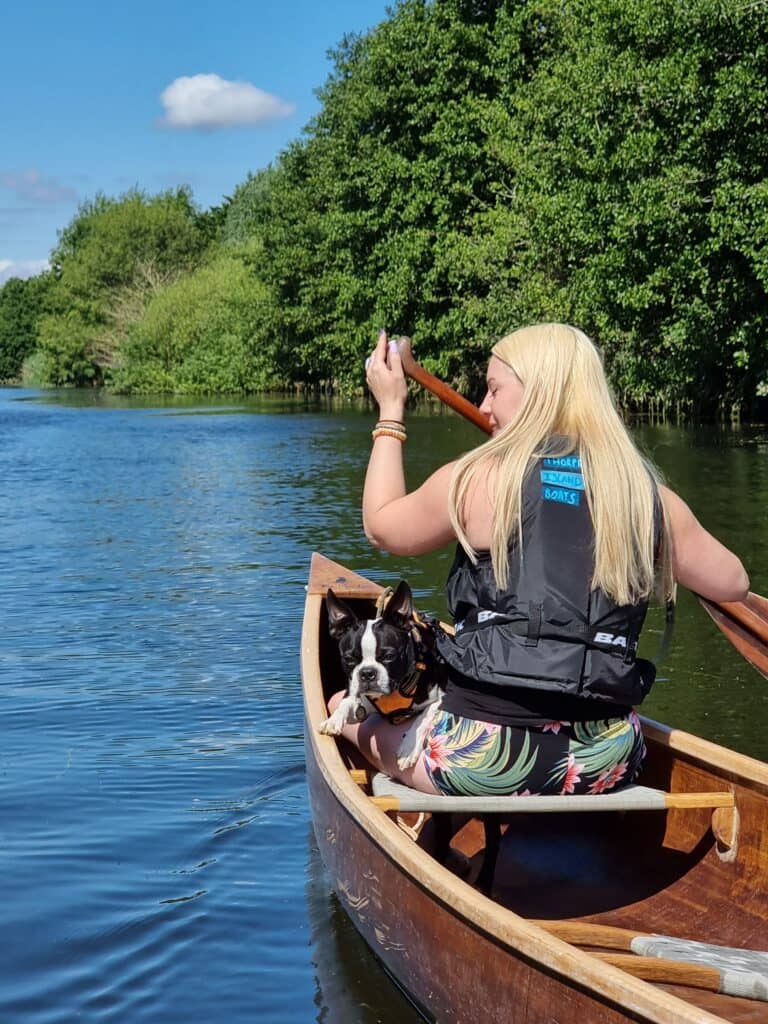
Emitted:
pixel 156 852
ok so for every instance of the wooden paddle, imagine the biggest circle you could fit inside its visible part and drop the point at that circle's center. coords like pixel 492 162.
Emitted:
pixel 744 623
pixel 683 963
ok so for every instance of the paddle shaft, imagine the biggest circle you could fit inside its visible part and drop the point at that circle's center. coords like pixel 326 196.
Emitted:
pixel 744 623
pixel 665 972
pixel 444 392
pixel 657 968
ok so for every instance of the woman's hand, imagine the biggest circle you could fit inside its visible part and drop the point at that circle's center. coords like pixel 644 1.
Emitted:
pixel 386 379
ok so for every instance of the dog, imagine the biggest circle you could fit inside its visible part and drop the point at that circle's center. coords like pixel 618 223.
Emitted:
pixel 391 667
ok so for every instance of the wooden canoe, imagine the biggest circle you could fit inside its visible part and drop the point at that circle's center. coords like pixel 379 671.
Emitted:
pixel 692 873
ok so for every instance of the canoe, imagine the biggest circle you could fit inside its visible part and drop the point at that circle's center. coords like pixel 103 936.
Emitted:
pixel 553 941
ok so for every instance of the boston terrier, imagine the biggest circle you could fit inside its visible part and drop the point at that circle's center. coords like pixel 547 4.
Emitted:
pixel 391 668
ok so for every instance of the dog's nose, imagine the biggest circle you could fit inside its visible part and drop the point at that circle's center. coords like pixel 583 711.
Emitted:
pixel 367 674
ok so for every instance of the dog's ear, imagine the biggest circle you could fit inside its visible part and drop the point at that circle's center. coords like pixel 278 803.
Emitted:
pixel 340 615
pixel 399 610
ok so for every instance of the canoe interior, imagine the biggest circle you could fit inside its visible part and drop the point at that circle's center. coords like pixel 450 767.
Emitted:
pixel 647 871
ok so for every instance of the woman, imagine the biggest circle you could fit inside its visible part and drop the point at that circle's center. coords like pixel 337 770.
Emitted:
pixel 562 527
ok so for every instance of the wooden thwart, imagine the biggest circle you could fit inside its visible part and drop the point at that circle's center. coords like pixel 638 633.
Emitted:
pixel 389 795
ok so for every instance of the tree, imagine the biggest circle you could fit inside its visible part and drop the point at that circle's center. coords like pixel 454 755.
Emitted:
pixel 201 334
pixel 635 162
pixel 249 208
pixel 368 209
pixel 21 304
pixel 114 255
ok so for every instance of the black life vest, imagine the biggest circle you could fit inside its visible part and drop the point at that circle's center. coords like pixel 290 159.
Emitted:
pixel 548 630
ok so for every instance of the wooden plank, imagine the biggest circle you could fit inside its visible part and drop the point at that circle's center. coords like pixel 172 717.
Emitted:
pixel 390 795
pixel 722 763
pixel 724 799
pixel 324 573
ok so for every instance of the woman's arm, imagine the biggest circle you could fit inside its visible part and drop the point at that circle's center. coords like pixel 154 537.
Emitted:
pixel 699 561
pixel 405 524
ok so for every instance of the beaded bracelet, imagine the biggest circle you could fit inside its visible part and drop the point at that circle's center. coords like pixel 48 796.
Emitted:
pixel 399 435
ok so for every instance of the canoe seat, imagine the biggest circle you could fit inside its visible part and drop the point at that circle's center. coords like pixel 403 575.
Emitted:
pixel 391 796
pixel 394 796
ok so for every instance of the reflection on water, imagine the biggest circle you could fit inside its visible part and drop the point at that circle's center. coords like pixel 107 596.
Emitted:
pixel 154 813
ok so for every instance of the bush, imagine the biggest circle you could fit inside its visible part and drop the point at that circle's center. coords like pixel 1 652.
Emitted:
pixel 113 256
pixel 22 302
pixel 200 335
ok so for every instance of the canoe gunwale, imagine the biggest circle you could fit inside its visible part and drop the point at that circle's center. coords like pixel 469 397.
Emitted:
pixel 733 767
pixel 609 985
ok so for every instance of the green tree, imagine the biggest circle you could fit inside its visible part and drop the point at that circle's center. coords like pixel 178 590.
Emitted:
pixel 202 334
pixel 22 302
pixel 474 165
pixel 249 208
pixel 369 208
pixel 635 162
pixel 110 260
pixel 479 165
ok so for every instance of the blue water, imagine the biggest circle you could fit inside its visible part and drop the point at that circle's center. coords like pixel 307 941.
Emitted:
pixel 156 849
pixel 156 856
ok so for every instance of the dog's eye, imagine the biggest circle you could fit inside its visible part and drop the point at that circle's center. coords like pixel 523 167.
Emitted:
pixel 392 653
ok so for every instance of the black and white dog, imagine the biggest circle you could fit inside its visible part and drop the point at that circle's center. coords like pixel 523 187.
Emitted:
pixel 390 667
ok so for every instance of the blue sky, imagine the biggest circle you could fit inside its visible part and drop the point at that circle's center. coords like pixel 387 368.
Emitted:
pixel 102 97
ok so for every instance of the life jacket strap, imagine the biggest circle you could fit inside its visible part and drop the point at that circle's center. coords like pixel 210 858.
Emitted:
pixel 533 627
pixel 670 608
pixel 534 624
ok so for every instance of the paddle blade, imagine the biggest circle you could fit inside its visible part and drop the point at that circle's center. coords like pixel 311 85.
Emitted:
pixel 745 624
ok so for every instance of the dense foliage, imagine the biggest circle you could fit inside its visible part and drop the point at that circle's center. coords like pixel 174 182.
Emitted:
pixel 200 335
pixel 109 262
pixel 474 165
pixel 22 304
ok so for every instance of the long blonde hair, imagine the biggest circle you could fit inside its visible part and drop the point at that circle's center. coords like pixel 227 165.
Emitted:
pixel 566 398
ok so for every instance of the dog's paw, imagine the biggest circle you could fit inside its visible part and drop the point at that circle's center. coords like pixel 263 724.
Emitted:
pixel 330 727
pixel 408 753
pixel 407 761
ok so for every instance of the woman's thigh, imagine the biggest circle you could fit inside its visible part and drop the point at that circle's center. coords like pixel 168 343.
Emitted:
pixel 467 757
pixel 379 742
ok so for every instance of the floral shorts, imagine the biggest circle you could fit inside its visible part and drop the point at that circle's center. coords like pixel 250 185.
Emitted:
pixel 464 757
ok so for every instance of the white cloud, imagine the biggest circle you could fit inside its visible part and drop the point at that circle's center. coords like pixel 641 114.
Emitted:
pixel 22 268
pixel 211 102
pixel 31 187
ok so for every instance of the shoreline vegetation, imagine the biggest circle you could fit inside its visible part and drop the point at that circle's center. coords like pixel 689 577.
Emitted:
pixel 474 165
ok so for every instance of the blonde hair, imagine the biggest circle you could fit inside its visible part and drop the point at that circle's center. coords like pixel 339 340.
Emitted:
pixel 567 402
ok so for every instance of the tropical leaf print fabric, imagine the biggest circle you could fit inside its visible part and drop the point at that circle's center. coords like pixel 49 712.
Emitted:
pixel 465 757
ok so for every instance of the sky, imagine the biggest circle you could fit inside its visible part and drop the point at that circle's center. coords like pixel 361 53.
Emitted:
pixel 100 97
